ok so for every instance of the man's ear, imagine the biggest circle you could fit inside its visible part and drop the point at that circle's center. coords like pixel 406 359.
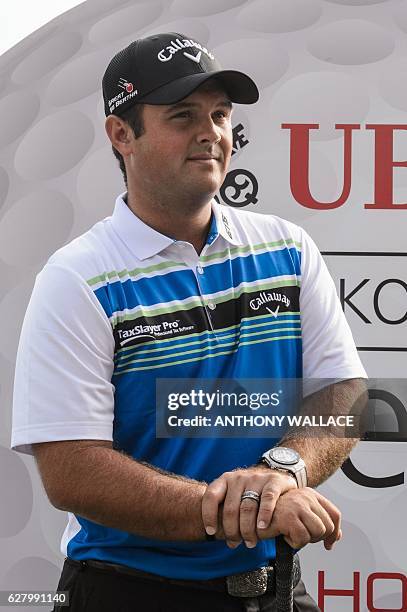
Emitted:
pixel 119 133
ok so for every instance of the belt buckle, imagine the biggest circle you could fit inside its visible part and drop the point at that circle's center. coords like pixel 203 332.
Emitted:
pixel 248 584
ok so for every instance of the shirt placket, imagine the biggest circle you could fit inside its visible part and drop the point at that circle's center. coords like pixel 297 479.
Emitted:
pixel 191 258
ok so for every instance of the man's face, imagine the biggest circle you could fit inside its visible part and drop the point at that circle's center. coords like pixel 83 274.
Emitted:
pixel 186 147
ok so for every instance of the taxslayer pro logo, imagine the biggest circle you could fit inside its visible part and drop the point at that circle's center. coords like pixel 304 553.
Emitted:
pixel 153 331
pixel 138 331
pixel 166 54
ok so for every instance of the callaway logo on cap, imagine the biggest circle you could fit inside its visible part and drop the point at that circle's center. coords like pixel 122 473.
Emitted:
pixel 164 69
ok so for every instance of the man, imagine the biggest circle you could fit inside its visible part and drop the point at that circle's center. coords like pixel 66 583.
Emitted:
pixel 178 523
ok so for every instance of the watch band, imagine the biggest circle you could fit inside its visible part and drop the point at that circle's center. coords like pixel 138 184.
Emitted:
pixel 297 468
pixel 279 469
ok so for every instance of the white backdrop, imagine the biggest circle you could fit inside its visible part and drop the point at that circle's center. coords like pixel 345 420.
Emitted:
pixel 321 62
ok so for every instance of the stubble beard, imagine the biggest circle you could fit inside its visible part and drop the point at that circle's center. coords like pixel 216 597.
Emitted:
pixel 188 196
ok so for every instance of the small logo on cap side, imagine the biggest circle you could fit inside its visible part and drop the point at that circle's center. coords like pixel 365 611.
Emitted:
pixel 194 58
pixel 124 84
pixel 124 96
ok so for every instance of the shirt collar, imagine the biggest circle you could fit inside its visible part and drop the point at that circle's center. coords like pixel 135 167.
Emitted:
pixel 140 238
pixel 224 223
pixel 144 241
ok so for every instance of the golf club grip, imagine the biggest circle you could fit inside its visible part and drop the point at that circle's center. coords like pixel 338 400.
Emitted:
pixel 284 575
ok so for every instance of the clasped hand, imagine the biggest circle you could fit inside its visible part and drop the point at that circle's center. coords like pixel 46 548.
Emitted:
pixel 301 515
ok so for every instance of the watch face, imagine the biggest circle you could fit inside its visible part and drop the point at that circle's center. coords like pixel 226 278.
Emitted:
pixel 286 456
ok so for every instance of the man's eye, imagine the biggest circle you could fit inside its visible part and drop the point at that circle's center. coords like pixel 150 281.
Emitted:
pixel 220 115
pixel 182 115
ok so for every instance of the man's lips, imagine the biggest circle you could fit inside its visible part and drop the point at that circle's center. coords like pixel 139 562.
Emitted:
pixel 203 157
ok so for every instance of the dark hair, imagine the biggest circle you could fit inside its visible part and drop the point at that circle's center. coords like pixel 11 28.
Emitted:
pixel 134 117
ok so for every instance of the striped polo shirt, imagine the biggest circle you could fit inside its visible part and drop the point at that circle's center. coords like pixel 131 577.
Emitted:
pixel 123 306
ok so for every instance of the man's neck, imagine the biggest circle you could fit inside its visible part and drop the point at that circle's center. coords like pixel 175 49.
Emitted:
pixel 187 222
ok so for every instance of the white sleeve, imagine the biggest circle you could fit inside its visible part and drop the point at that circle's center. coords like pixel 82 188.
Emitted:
pixel 328 347
pixel 62 384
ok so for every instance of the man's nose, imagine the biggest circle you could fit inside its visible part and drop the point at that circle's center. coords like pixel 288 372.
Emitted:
pixel 208 132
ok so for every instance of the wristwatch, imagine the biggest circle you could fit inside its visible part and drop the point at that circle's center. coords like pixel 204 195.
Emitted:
pixel 288 460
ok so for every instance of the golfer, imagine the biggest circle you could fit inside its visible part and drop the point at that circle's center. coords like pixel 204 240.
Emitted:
pixel 176 286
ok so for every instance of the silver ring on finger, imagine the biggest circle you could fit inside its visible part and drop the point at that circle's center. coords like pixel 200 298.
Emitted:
pixel 251 495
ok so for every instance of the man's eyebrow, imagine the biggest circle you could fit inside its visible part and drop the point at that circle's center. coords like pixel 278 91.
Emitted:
pixel 185 105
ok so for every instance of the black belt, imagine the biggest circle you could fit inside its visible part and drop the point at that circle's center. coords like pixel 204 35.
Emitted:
pixel 247 584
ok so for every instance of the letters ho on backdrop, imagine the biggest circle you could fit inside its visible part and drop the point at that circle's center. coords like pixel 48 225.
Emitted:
pixel 325 147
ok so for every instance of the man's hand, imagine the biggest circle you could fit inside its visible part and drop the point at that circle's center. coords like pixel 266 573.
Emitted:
pixel 241 519
pixel 304 516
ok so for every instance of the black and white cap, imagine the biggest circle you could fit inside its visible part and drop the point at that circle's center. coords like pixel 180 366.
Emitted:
pixel 164 69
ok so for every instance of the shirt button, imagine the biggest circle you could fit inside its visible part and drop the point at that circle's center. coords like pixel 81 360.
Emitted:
pixel 211 305
pixel 200 270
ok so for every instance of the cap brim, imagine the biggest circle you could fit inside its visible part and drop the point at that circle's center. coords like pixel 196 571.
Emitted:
pixel 239 87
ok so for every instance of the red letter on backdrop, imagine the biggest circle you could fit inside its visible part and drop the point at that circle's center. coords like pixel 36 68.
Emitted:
pixel 384 164
pixel 299 164
pixel 355 592
pixel 384 575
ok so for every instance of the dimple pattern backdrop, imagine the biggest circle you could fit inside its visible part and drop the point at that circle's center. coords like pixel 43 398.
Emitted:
pixel 315 61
